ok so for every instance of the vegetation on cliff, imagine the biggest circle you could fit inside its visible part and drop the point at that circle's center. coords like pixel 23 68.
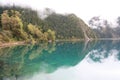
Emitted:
pixel 25 24
pixel 14 29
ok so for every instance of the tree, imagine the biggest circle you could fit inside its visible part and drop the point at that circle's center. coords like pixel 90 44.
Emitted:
pixel 34 31
pixel 5 20
pixel 118 21
pixel 51 35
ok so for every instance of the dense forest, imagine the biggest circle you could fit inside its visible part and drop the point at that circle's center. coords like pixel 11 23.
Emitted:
pixel 18 24
pixel 69 26
pixel 15 26
pixel 25 24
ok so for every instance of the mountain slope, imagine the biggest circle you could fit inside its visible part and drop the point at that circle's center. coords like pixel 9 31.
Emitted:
pixel 65 26
pixel 69 27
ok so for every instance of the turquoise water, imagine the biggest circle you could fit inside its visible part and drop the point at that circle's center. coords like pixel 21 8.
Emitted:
pixel 61 61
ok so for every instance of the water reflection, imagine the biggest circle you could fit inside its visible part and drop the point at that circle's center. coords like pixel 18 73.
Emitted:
pixel 61 61
pixel 21 60
pixel 105 50
pixel 26 60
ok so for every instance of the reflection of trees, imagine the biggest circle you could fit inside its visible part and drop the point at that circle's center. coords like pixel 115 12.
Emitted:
pixel 104 49
pixel 13 60
pixel 66 54
pixel 25 60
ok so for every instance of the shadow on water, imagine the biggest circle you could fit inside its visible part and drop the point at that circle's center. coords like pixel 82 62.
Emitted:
pixel 26 60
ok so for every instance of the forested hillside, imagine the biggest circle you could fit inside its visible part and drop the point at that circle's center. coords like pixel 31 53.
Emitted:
pixel 104 28
pixel 18 24
pixel 68 26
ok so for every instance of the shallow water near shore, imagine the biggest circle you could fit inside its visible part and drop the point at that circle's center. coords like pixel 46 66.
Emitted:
pixel 61 61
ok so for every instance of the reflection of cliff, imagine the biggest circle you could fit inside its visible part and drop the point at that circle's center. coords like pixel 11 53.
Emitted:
pixel 105 49
pixel 25 60
pixel 66 55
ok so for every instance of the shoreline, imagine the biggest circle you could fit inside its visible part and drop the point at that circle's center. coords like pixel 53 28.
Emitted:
pixel 8 44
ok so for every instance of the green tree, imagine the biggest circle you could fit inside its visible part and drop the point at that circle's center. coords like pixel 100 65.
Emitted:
pixel 35 31
pixel 5 20
pixel 51 35
pixel 10 20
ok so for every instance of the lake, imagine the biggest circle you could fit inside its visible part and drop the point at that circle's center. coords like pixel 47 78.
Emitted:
pixel 95 60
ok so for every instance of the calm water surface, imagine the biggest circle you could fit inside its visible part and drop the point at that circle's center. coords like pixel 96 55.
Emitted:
pixel 61 61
